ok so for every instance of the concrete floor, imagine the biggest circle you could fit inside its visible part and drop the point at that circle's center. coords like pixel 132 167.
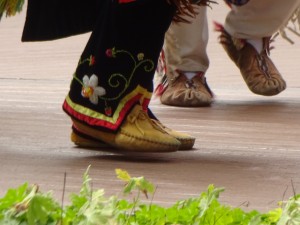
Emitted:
pixel 246 143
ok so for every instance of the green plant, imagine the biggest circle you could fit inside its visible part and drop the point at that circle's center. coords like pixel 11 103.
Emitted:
pixel 26 205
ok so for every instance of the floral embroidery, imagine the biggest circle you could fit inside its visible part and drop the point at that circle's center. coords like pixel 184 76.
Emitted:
pixel 91 90
pixel 140 56
pixel 108 111
pixel 111 52
pixel 116 79
pixel 126 1
pixel 92 60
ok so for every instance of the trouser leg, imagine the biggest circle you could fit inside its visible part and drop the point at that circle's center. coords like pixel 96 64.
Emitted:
pixel 186 63
pixel 185 44
pixel 258 19
pixel 246 39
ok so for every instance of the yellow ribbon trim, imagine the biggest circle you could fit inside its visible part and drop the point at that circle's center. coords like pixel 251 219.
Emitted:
pixel 96 115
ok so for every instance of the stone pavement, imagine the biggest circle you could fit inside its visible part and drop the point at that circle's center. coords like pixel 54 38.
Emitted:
pixel 246 143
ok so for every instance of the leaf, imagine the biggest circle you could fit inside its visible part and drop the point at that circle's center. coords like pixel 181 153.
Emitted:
pixel 123 175
pixel 13 196
pixel 42 208
pixel 145 186
pixel 98 210
pixel 208 197
pixel 132 183
pixel 129 187
pixel 274 215
pixel 86 188
pixel 27 206
pixel 291 211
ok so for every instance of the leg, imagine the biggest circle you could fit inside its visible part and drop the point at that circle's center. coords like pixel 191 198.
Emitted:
pixel 113 83
pixel 258 19
pixel 186 63
pixel 246 38
pixel 186 43
pixel 112 86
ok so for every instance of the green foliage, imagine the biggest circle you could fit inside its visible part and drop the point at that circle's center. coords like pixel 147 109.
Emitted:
pixel 291 212
pixel 135 183
pixel 26 205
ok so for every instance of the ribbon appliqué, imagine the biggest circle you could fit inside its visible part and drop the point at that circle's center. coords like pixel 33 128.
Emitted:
pixel 125 1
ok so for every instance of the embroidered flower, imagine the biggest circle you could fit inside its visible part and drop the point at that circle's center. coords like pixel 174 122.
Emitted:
pixel 91 89
pixel 140 56
pixel 126 1
pixel 108 111
pixel 108 52
pixel 111 52
pixel 92 60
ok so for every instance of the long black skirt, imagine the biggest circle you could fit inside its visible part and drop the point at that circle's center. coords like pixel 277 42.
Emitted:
pixel 116 69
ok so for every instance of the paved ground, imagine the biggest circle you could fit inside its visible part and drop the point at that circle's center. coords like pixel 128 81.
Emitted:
pixel 248 144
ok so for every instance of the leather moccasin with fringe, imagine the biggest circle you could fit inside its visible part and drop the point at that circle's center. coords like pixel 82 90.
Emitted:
pixel 258 70
pixel 184 92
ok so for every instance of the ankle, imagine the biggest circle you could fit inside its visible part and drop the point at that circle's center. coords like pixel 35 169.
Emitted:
pixel 190 75
pixel 257 43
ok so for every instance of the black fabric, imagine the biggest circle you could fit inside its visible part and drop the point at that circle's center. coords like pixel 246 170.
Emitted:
pixel 54 19
pixel 237 2
pixel 132 34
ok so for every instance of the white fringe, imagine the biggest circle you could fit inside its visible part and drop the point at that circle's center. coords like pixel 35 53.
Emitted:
pixel 292 26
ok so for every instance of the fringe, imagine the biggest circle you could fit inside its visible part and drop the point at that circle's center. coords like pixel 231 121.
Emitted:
pixel 187 8
pixel 160 75
pixel 10 7
pixel 292 26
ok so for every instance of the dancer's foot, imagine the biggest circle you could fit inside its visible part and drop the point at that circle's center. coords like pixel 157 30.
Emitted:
pixel 85 141
pixel 257 69
pixel 137 134
pixel 186 141
pixel 185 92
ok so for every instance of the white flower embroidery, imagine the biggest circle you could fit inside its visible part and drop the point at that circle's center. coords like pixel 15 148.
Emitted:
pixel 91 89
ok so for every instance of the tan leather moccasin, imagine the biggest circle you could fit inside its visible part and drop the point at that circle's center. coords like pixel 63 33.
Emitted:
pixel 137 134
pixel 181 91
pixel 83 140
pixel 257 69
pixel 186 141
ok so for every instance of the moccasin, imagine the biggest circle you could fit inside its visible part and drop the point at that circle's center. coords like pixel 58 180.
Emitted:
pixel 181 91
pixel 85 141
pixel 257 69
pixel 186 141
pixel 137 134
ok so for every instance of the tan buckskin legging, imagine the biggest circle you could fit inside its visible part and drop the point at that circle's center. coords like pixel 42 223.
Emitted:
pixel 185 44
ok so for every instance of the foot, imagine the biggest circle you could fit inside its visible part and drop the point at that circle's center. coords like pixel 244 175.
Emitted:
pixel 257 69
pixel 137 134
pixel 185 92
pixel 186 141
pixel 85 141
